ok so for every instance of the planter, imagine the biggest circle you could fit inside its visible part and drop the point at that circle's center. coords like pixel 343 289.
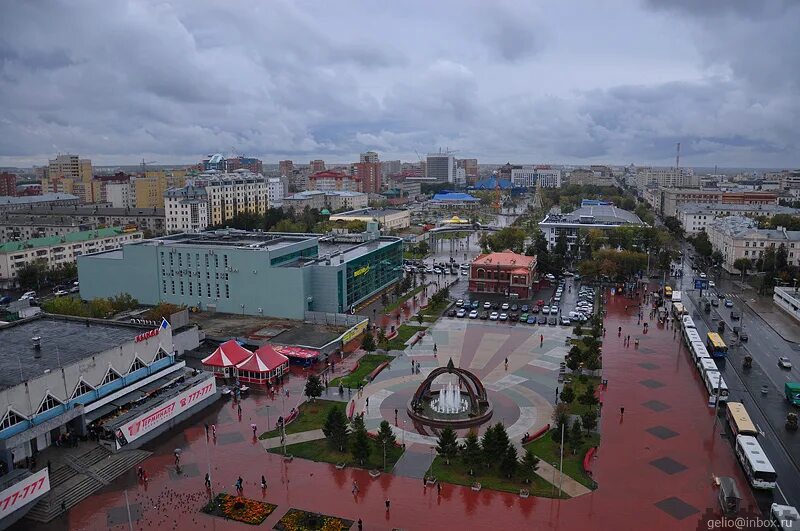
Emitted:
pixel 536 435
pixel 476 486
pixel 524 493
pixel 288 458
pixel 374 473
pixel 341 466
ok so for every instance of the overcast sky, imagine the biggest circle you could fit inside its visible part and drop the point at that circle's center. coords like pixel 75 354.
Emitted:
pixel 528 82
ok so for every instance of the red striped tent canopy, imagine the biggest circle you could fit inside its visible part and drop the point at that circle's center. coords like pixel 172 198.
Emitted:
pixel 265 359
pixel 228 354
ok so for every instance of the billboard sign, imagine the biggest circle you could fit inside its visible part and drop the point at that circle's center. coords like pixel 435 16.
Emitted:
pixel 24 492
pixel 354 332
pixel 701 283
pixel 145 423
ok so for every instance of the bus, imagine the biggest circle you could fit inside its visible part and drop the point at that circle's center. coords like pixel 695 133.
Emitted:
pixel 690 335
pixel 716 346
pixel 686 321
pixel 739 420
pixel 668 292
pixel 756 466
pixel 678 310
pixel 716 386
pixel 706 364
pixel 699 352
pixel 676 296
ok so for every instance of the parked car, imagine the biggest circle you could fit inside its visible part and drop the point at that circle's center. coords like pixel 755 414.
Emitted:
pixel 784 362
pixel 545 309
pixel 542 319
pixel 525 308
pixel 484 315
pixel 461 313
pixel 494 316
pixel 552 321
pixel 504 316
pixel 523 317
pixel 473 314
pixel 535 309
pixel 734 316
pixel 28 295
pixel 553 310
pixel 5 299
pixel 487 305
pixel 565 321
pixel 476 305
pixel 531 319
pixel 712 284
pixel 460 303
pixel 451 312
pixel 514 307
pixel 504 306
pixel 61 293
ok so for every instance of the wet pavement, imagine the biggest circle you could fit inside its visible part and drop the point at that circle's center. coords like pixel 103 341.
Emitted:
pixel 654 466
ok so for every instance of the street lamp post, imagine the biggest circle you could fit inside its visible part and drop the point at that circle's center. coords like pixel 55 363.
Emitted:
pixel 384 455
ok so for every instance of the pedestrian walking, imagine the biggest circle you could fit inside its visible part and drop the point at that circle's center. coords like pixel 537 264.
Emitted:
pixel 355 488
pixel 506 363
pixel 619 331
pixel 541 339
pixel 139 472
pixel 253 426
pixel 214 430
pixel 208 481
pixel 263 482
pixel 438 488
pixel 206 430
pixel 239 408
pixel 388 504
pixel 63 506
pixel 360 525
pixel 622 412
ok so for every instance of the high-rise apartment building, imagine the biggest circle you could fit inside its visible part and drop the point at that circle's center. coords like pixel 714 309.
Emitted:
pixel 441 167
pixel 369 174
pixel 334 180
pixel 186 209
pixel 69 174
pixel 234 193
pixel 471 170
pixel 121 194
pixel 317 165
pixel 275 192
pixel 666 177
pixel 286 167
pixel 8 184
pixel 369 156
pixel 391 167
pixel 149 191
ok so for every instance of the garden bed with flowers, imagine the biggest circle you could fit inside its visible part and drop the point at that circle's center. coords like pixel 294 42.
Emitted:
pixel 295 520
pixel 238 508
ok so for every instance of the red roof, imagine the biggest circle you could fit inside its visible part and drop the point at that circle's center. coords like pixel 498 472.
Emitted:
pixel 330 175
pixel 297 352
pixel 264 359
pixel 506 258
pixel 228 354
pixel 520 270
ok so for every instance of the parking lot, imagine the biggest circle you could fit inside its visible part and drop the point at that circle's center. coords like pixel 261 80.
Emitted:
pixel 564 304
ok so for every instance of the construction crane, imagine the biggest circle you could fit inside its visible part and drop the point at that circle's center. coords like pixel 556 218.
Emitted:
pixel 497 203
pixel 144 165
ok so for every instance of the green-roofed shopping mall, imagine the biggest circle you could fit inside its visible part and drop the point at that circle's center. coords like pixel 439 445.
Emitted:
pixel 250 273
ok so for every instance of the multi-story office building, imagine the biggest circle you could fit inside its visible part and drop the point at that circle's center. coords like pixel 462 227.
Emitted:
pixel 471 170
pixel 441 167
pixel 590 177
pixel 121 194
pixel 527 178
pixel 523 177
pixel 389 219
pixel 8 184
pixel 317 165
pixel 334 180
pixel 251 273
pixel 92 216
pixel 695 217
pixel 333 200
pixel 391 167
pixel 548 177
pixel 672 198
pixel 27 202
pixel 739 237
pixel 286 167
pixel 590 216
pixel 186 209
pixel 666 177
pixel 56 250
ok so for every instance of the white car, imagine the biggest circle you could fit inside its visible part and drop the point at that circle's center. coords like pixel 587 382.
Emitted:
pixel 504 317
pixel 61 293
pixel 702 275
pixel 460 303
pixel 494 316
pixel 784 362
pixel 712 284
pixel 473 314
pixel 553 310
pixel 461 313
pixel 504 306
pixel 545 309
pixel 28 295
pixel 487 305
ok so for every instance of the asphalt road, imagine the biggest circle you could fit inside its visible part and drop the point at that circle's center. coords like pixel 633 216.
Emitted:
pixel 768 411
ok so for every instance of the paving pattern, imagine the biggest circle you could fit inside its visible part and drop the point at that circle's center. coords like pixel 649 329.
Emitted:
pixel 641 483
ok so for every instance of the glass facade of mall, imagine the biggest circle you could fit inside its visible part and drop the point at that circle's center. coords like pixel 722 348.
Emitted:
pixel 373 271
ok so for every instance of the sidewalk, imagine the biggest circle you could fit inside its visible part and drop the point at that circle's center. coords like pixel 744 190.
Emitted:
pixel 305 436
pixel 569 486
pixel 774 317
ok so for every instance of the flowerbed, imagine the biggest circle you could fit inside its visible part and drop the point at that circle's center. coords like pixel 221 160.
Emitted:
pixel 295 520
pixel 238 508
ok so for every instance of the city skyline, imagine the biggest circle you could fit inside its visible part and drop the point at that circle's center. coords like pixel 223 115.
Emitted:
pixel 172 82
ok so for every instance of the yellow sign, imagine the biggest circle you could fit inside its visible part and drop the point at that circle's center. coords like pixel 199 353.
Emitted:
pixel 354 332
pixel 362 271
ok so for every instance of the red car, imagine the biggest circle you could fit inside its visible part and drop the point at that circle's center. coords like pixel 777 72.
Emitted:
pixel 540 303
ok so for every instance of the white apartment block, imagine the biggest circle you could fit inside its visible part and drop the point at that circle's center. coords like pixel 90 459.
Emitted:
pixel 56 250
pixel 527 178
pixel 121 195
pixel 274 192
pixel 695 217
pixel 186 209
pixel 738 237
pixel 549 178
pixel 234 193
pixel 666 177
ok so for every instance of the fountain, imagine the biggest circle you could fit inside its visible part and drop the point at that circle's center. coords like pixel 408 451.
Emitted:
pixel 458 404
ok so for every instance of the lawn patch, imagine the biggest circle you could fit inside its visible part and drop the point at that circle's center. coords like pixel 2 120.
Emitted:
pixel 547 449
pixel 404 333
pixel 311 417
pixel 367 364
pixel 320 450
pixel 458 474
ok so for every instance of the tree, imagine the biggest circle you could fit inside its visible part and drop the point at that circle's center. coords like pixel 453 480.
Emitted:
pixel 368 342
pixel 100 308
pixel 66 306
pixel 423 248
pixel 560 418
pixel 501 438
pixel 335 428
pixel 576 436
pixel 122 302
pixel 385 434
pixel 471 451
pixel 30 276
pixel 574 362
pixel 383 341
pixel 509 463
pixel 674 225
pixel 314 387
pixel 447 445
pixel 702 244
pixel 588 397
pixel 743 265
pixel 589 420
pixel 489 447
pixel 162 311
pixel 512 238
pixel 529 465
pixel 359 440
pixel 567 395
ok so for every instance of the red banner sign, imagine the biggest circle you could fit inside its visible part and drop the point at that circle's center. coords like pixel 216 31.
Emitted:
pixel 24 492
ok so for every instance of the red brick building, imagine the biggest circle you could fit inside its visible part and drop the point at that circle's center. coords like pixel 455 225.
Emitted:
pixel 8 184
pixel 503 273
pixel 369 173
